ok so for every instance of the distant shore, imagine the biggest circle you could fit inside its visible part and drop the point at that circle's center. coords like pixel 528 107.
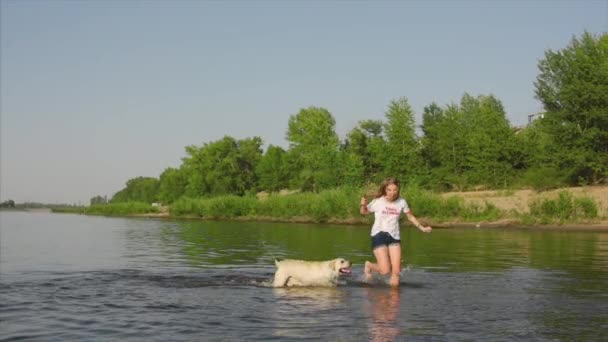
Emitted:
pixel 599 225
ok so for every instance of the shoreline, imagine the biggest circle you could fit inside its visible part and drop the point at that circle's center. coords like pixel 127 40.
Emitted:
pixel 574 208
pixel 599 225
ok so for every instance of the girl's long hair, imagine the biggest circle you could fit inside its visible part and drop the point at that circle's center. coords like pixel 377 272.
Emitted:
pixel 382 191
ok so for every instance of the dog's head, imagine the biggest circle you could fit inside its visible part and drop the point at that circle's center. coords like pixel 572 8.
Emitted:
pixel 340 265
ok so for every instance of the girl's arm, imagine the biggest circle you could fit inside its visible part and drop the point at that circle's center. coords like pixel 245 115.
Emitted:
pixel 363 208
pixel 413 219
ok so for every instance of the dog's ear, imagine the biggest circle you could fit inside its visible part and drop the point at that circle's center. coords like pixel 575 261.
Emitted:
pixel 333 263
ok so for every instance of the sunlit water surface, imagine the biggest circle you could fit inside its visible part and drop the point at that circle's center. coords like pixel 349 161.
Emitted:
pixel 81 278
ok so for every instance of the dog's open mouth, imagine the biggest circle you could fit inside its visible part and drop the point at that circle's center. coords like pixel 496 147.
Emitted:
pixel 345 270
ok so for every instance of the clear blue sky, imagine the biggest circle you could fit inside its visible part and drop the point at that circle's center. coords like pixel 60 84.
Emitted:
pixel 93 93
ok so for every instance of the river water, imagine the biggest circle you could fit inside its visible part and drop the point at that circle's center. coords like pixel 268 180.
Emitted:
pixel 80 278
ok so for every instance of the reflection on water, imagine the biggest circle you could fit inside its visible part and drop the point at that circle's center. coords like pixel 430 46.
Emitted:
pixel 314 307
pixel 77 278
pixel 385 305
pixel 312 299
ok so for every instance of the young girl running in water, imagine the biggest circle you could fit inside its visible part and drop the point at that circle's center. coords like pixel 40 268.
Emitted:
pixel 387 207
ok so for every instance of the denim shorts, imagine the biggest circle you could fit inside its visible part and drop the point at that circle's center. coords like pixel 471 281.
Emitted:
pixel 383 239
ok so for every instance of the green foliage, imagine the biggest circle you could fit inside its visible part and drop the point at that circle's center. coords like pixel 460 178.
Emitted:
pixel 586 207
pixel 444 146
pixel 312 126
pixel 341 203
pixel 221 207
pixel 314 143
pixel 573 87
pixel 226 166
pixel 139 189
pixel 534 148
pixel 187 206
pixel 272 171
pixel 365 147
pixel 352 169
pixel 565 208
pixel 427 204
pixel 7 204
pixel 68 209
pixel 402 159
pixel 172 185
pixel 227 206
pixel 99 200
pixel 486 212
pixel 432 119
pixel 121 209
pixel 542 178
pixel 469 144
pixel 322 206
pixel 488 141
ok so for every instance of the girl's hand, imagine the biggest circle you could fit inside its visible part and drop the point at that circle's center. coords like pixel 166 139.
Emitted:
pixel 426 229
pixel 363 201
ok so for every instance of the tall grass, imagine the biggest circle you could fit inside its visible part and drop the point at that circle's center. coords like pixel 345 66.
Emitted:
pixel 340 204
pixel 118 209
pixel 543 178
pixel 321 207
pixel 565 208
pixel 68 209
pixel 427 204
pixel 227 206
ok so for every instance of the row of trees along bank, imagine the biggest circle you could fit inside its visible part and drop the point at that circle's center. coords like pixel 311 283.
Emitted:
pixel 463 145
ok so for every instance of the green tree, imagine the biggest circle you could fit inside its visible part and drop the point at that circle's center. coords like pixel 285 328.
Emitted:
pixel 139 189
pixel 7 204
pixel 573 87
pixel 351 170
pixel 445 147
pixel 271 170
pixel 172 185
pixel 470 144
pixel 488 141
pixel 402 159
pixel 314 143
pixel 432 116
pixel 366 147
pixel 226 166
pixel 249 155
pixel 99 200
pixel 533 158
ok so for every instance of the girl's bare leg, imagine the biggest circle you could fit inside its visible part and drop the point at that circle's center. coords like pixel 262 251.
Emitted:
pixel 394 252
pixel 382 266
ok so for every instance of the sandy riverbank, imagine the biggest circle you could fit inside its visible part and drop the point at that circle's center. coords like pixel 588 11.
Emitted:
pixel 520 200
pixel 510 201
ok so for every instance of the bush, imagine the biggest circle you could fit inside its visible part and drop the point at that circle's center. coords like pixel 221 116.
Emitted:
pixel 586 207
pixel 542 179
pixel 122 208
pixel 564 208
pixel 427 204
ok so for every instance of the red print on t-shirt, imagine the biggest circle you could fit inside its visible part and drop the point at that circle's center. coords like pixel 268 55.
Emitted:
pixel 390 211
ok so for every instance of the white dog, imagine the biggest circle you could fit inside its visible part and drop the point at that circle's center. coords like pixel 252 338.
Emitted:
pixel 310 273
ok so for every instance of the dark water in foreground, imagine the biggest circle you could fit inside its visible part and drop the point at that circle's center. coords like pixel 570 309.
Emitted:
pixel 79 278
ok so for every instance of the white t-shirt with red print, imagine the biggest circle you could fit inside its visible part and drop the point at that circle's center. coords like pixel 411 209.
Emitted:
pixel 386 215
